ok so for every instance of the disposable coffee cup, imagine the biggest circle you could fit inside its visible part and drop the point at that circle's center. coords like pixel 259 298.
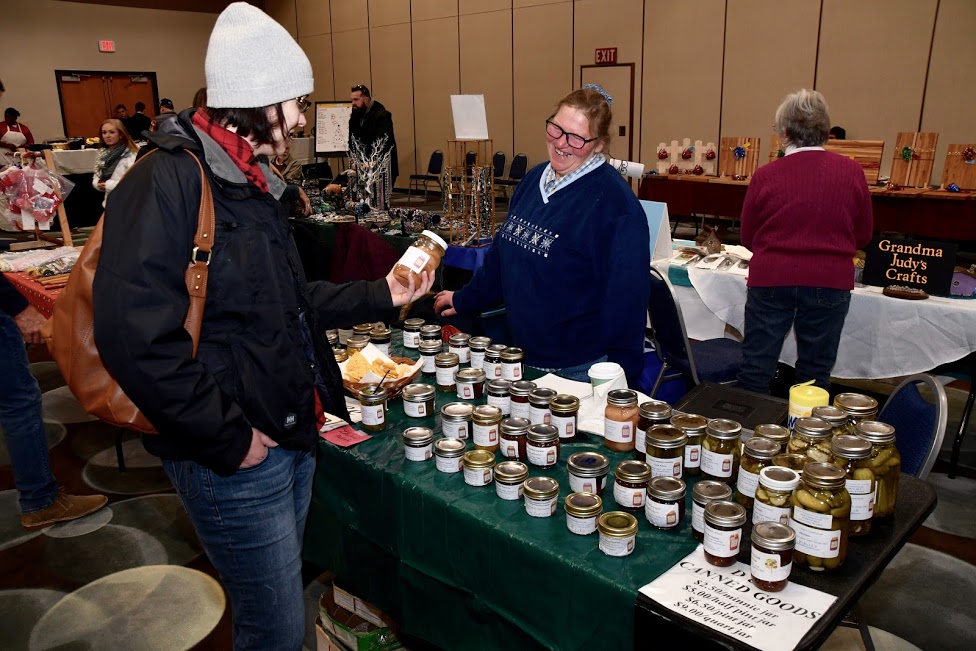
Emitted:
pixel 603 372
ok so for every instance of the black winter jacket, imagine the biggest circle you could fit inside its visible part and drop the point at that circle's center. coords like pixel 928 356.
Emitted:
pixel 261 347
pixel 373 124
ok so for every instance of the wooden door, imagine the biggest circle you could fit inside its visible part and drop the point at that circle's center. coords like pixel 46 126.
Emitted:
pixel 618 81
pixel 88 98
pixel 129 89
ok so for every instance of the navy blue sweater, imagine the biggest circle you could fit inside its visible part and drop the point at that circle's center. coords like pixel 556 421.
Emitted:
pixel 572 273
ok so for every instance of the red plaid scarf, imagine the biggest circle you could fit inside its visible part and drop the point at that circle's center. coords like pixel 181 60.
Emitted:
pixel 239 150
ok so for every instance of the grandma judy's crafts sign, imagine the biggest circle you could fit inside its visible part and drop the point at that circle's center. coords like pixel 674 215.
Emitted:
pixel 725 600
pixel 925 265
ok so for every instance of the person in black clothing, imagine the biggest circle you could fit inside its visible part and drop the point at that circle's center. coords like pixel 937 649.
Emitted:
pixel 139 122
pixel 369 122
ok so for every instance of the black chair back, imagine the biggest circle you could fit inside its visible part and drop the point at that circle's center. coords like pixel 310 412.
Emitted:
pixel 519 165
pixel 470 159
pixel 498 163
pixel 919 422
pixel 669 332
pixel 436 163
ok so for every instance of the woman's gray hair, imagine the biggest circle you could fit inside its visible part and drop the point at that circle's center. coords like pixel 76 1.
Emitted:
pixel 802 119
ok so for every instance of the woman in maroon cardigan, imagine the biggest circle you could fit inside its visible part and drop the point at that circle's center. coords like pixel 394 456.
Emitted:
pixel 804 217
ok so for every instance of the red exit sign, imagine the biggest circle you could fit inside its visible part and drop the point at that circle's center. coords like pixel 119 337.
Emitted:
pixel 106 46
pixel 606 55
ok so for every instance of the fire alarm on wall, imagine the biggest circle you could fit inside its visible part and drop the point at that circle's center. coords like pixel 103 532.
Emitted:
pixel 106 46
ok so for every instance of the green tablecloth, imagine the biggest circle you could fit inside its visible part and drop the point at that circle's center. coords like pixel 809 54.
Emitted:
pixel 458 566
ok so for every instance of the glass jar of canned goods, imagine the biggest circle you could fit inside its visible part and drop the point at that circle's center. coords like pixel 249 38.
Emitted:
pixel 773 502
pixel 693 426
pixel 411 333
pixel 542 445
pixel 582 512
pixel 651 413
pixel 448 455
pixel 811 438
pixel 499 396
pixel 665 450
pixel 885 462
pixel 429 350
pixel 509 476
pixel 630 484
pixel 478 346
pixel 665 506
pixel 470 383
pixel 836 417
pixel 456 420
pixel 618 533
pixel 478 467
pixel 539 398
pixel 458 344
pixel 493 361
pixel 759 453
pixel 772 555
pixel 540 495
pixel 821 517
pixel 372 401
pixel 702 493
pixel 858 407
pixel 512 360
pixel 446 365
pixel 723 532
pixel 514 433
pixel 720 450
pixel 418 400
pixel 519 392
pixel 564 412
pixel 852 454
pixel 620 420
pixel 418 443
pixel 485 425
pixel 776 433
pixel 588 472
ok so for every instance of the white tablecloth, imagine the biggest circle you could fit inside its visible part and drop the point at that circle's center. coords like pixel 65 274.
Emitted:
pixel 883 337
pixel 78 161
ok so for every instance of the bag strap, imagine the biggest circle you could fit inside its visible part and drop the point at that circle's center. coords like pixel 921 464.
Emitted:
pixel 196 271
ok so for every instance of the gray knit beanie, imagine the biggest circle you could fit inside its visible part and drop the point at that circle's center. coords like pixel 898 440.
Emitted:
pixel 252 61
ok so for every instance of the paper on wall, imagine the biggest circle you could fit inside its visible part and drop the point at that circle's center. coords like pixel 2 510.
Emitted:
pixel 470 118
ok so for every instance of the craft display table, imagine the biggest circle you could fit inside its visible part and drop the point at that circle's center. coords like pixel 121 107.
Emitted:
pixel 39 296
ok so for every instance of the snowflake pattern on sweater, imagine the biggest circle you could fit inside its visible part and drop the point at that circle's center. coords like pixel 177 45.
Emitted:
pixel 527 235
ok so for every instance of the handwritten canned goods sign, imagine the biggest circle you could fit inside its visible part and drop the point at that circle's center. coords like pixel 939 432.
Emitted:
pixel 725 600
pixel 924 265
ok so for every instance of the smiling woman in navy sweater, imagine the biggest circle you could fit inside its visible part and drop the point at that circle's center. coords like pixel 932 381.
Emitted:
pixel 571 261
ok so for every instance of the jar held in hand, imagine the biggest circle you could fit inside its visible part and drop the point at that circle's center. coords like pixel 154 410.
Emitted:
pixel 424 254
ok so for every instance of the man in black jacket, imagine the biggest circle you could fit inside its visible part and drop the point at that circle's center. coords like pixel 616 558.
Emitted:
pixel 369 122
pixel 139 122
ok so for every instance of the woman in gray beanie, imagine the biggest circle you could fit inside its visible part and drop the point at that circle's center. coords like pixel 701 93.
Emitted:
pixel 237 421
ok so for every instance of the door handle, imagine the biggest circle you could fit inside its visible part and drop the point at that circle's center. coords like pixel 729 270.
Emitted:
pixel 622 131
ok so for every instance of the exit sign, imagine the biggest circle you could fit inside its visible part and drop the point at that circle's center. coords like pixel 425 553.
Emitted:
pixel 106 46
pixel 606 55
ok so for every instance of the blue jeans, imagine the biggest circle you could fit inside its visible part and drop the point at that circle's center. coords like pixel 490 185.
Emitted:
pixel 817 316
pixel 251 525
pixel 578 372
pixel 20 415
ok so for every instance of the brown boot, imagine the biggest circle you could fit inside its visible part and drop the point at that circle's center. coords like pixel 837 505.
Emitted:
pixel 66 507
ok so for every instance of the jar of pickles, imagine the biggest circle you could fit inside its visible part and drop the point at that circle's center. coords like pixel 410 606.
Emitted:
pixel 564 410
pixel 821 517
pixel 588 472
pixel 653 412
pixel 630 484
pixel 665 450
pixel 539 398
pixel 509 476
pixel 429 350
pixel 458 344
pixel 858 407
pixel 693 426
pixel 373 403
pixel 446 366
pixel 852 455
pixel 811 438
pixel 620 420
pixel 885 462
pixel 776 433
pixel 720 450
pixel 759 453
pixel 836 417
pixel 540 495
pixel 772 555
pixel 791 461
pixel 519 392
pixel 499 396
pixel 512 359
pixel 723 532
pixel 493 361
pixel 478 346
pixel 582 511
pixel 704 492
pixel 542 445
pixel 665 506
pixel 485 424
pixel 418 400
pixel 411 333
pixel 774 494
pixel 513 438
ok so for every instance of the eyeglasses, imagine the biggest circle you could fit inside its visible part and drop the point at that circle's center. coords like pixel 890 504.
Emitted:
pixel 360 88
pixel 574 140
pixel 303 103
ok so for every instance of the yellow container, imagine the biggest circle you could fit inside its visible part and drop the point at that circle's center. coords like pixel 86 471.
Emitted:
pixel 803 398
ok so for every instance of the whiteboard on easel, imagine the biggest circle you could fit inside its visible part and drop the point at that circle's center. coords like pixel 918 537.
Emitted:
pixel 332 127
pixel 470 118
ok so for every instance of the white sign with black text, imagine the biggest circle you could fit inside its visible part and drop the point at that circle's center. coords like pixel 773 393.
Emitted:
pixel 724 599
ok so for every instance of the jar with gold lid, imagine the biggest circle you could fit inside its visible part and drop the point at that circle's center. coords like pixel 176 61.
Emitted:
pixel 774 494
pixel 418 400
pixel 418 443
pixel 723 532
pixel 424 254
pixel 630 484
pixel 509 476
pixel 469 383
pixel 702 493
pixel 456 420
pixel 381 336
pixel 362 329
pixel 493 361
pixel 478 467
pixel 429 350
pixel 458 344
pixel 588 472
pixel 693 426
pixel 885 463
pixel 485 425
pixel 858 407
pixel 836 417
pixel 540 495
pixel 811 438
pixel 542 445
pixel 519 392
pixel 411 333
pixel 372 400
pixel 720 450
pixel 582 511
pixel 618 533
pixel 564 410
pixel 852 455
pixel 620 420
pixel 512 360
pixel 759 453
pixel 340 355
pixel 514 436
pixel 448 455
pixel 356 343
pixel 665 506
pixel 332 336
pixel 776 433
pixel 539 398
pixel 653 412
pixel 478 347
pixel 498 395
pixel 665 450
pixel 772 555
pixel 821 517
pixel 447 365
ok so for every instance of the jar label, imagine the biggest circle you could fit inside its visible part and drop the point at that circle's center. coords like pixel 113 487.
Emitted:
pixel 630 498
pixel 477 476
pixel 374 415
pixel 383 348
pixel 448 464
pixel 586 484
pixel 417 454
pixel 715 464
pixel 767 567
pixel 747 482
pixel 520 409
pixel 454 430
pixel 565 424
pixel 411 339
pixel 862 506
pixel 493 370
pixel 581 526
pixel 722 543
pixel 818 520
pixel 617 546
pixel 859 486
pixel 512 370
pixel 485 435
pixel 539 415
pixel 693 456
pixel 465 391
pixel 445 376
pixel 504 403
pixel 540 508
pixel 541 457
pixel 816 542
pixel 415 409
pixel 414 259
pixel 697 516
pixel 662 515
pixel 665 467
pixel 429 365
pixel 508 491
pixel 618 431
pixel 463 353
pixel 477 358
pixel 762 512
pixel 509 449
pixel 640 440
